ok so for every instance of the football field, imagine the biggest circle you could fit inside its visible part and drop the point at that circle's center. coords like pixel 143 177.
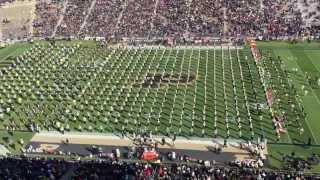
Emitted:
pixel 188 91
pixel 300 60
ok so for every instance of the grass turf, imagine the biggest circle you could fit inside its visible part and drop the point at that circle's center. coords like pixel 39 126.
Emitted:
pixel 305 57
pixel 128 67
pixel 12 140
pixel 12 51
pixel 117 101
pixel 278 151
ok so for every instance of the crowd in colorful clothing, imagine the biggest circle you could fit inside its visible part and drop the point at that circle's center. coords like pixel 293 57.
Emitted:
pixel 5 1
pixel 268 19
pixel 36 168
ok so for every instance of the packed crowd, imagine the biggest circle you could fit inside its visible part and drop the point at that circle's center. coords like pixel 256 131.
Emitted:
pixel 5 1
pixel 269 19
pixel 12 168
pixel 74 16
pixel 310 11
pixel 177 18
pixel 137 17
pixel 103 18
pixel 31 168
pixel 141 170
pixel 206 18
pixel 47 15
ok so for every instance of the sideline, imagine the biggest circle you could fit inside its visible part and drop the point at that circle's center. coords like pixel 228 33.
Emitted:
pixel 200 144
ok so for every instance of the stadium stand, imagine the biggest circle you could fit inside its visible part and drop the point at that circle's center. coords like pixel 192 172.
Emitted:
pixel 269 19
pixel 102 18
pixel 272 18
pixel 5 1
pixel 40 168
pixel 205 18
pixel 73 18
pixel 34 168
pixel 137 17
pixel 47 15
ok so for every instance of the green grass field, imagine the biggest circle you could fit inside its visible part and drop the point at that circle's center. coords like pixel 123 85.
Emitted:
pixel 305 57
pixel 102 90
pixel 12 51
pixel 12 141
pixel 203 92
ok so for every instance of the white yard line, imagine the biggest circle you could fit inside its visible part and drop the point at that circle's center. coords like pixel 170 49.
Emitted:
pixel 307 123
pixel 93 3
pixel 214 93
pixel 9 54
pixel 315 139
pixel 153 16
pixel 32 18
pixel 261 5
pixel 188 13
pixel 65 5
pixel 316 97
pixel 224 91
pixel 1 35
pixel 155 7
pixel 289 137
pixel 225 24
pixel 124 7
pixel 242 82
pixel 154 13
